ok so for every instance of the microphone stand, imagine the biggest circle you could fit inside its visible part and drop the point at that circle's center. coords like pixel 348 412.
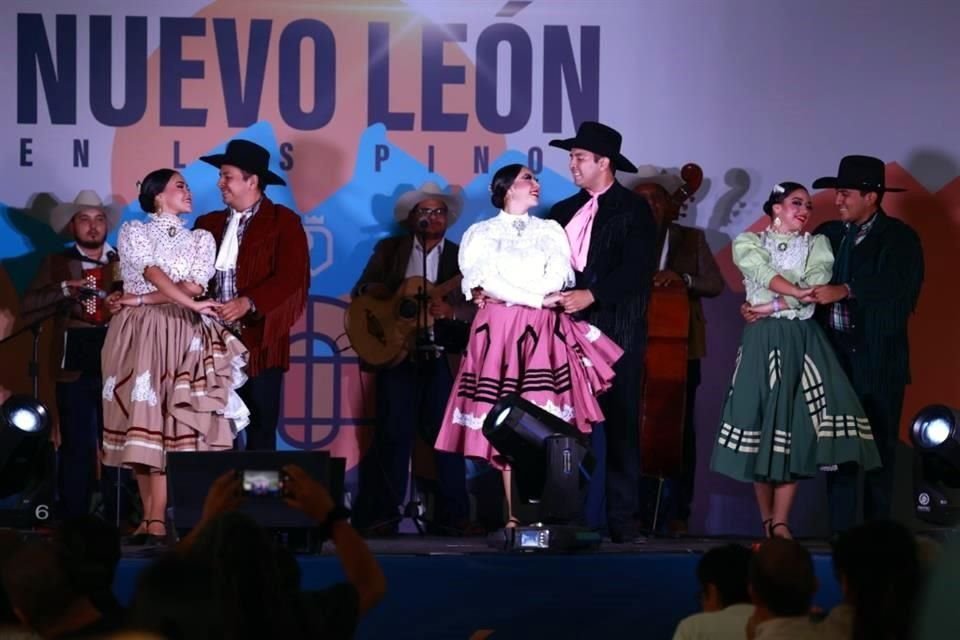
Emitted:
pixel 424 349
pixel 35 326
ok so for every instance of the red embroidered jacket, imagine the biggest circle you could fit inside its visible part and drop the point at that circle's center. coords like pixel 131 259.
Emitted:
pixel 273 270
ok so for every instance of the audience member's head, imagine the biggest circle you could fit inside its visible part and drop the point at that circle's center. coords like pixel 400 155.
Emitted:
pixel 722 573
pixel 878 567
pixel 37 585
pixel 252 596
pixel 174 599
pixel 782 579
pixel 91 550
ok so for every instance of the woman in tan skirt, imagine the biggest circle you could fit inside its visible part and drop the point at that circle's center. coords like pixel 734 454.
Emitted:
pixel 170 371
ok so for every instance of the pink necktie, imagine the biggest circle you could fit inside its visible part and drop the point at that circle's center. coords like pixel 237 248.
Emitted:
pixel 578 232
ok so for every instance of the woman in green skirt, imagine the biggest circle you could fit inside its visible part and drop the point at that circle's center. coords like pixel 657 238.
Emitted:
pixel 790 409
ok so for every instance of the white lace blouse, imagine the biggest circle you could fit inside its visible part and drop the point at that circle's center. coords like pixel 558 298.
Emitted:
pixel 516 258
pixel 162 241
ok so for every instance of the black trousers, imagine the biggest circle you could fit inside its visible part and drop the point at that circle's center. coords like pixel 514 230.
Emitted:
pixel 621 410
pixel 80 407
pixel 883 409
pixel 411 400
pixel 263 395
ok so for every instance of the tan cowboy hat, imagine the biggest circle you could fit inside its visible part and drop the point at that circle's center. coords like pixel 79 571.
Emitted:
pixel 651 174
pixel 63 213
pixel 453 197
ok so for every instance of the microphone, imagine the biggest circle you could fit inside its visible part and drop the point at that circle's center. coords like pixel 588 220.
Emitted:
pixel 423 224
pixel 112 256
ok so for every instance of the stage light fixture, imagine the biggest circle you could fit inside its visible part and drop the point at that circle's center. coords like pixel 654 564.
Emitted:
pixel 27 463
pixel 934 432
pixel 25 413
pixel 551 464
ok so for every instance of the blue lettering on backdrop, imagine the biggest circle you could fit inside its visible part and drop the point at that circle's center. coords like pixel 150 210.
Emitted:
pixel 535 159
pixel 481 159
pixel 35 58
pixel 81 153
pixel 242 110
pixel 177 162
pixel 378 81
pixel 380 155
pixel 55 77
pixel 101 71
pixel 520 91
pixel 560 67
pixel 286 156
pixel 324 76
pixel 174 69
pixel 25 151
pixel 436 74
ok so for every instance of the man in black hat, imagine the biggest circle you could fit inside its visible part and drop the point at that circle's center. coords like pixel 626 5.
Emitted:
pixel 262 277
pixel 877 274
pixel 613 241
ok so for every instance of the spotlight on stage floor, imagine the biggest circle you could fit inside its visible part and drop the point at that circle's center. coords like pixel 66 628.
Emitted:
pixel 551 463
pixel 27 463
pixel 936 442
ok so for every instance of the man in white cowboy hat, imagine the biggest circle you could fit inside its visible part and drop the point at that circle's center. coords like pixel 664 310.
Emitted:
pixel 684 260
pixel 412 396
pixel 262 277
pixel 613 242
pixel 71 286
pixel 877 275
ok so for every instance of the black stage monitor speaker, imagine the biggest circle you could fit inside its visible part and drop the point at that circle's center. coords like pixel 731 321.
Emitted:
pixel 190 474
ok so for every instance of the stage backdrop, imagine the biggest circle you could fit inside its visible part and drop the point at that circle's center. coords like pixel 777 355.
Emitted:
pixel 361 100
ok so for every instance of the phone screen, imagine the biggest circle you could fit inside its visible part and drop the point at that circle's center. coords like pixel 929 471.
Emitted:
pixel 261 483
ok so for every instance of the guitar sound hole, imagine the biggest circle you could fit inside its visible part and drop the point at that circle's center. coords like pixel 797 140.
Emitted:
pixel 408 309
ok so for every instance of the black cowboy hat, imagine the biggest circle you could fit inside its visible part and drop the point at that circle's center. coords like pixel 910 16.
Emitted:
pixel 600 139
pixel 863 173
pixel 248 156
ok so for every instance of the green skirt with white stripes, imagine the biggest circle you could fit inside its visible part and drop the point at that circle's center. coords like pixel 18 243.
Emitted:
pixel 790 409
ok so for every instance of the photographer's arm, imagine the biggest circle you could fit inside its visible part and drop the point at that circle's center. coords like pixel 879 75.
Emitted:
pixel 359 565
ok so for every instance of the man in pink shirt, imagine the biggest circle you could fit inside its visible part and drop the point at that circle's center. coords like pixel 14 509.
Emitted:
pixel 613 241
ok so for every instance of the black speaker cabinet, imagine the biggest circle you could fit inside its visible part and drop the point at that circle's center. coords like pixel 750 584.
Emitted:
pixel 190 474
pixel 28 476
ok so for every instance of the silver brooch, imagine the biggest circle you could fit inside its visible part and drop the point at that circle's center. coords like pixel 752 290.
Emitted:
pixel 519 225
pixel 782 246
pixel 172 232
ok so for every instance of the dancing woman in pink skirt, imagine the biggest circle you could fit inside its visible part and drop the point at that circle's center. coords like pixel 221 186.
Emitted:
pixel 514 265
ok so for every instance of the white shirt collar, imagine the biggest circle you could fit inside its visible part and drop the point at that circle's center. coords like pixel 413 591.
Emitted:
pixel 419 247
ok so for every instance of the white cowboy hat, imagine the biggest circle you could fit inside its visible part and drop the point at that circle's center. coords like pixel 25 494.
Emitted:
pixel 650 174
pixel 453 197
pixel 63 213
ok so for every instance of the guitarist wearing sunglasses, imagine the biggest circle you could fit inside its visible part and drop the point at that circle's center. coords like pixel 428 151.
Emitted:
pixel 400 323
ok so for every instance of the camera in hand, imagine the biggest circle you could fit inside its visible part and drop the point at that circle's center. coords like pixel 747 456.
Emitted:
pixel 262 483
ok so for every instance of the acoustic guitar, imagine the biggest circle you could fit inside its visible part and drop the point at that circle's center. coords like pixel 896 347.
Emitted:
pixel 383 330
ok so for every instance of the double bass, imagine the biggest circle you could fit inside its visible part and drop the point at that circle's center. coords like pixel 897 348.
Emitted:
pixel 664 387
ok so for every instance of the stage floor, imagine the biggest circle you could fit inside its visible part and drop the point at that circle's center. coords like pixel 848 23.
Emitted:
pixel 441 587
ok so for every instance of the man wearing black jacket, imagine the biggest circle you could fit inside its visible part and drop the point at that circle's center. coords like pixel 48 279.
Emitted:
pixel 70 286
pixel 613 242
pixel 877 274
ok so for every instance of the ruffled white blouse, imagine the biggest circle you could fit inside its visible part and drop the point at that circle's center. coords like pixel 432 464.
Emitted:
pixel 518 259
pixel 163 241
